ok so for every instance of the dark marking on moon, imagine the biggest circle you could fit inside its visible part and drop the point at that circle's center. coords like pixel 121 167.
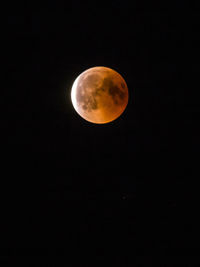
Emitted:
pixel 92 79
pixel 87 101
pixel 89 104
pixel 123 85
pixel 115 91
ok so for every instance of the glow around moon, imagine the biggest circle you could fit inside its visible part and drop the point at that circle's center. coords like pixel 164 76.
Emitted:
pixel 99 95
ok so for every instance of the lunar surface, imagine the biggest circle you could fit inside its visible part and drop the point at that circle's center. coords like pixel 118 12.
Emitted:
pixel 99 95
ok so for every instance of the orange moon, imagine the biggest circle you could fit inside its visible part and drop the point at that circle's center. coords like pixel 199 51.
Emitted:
pixel 99 95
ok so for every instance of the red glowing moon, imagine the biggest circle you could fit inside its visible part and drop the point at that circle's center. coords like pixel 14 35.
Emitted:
pixel 99 95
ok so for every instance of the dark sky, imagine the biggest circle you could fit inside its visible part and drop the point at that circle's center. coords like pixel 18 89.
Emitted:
pixel 78 193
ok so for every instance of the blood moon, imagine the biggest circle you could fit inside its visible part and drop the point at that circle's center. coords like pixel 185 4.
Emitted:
pixel 99 95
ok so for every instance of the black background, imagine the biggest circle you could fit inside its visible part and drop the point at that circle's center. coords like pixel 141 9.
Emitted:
pixel 76 193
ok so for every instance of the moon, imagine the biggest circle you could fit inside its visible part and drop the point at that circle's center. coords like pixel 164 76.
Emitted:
pixel 99 95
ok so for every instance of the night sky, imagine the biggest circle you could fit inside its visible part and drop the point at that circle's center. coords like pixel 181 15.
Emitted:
pixel 76 193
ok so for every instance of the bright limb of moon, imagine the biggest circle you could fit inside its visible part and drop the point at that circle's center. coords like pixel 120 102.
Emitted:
pixel 73 93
